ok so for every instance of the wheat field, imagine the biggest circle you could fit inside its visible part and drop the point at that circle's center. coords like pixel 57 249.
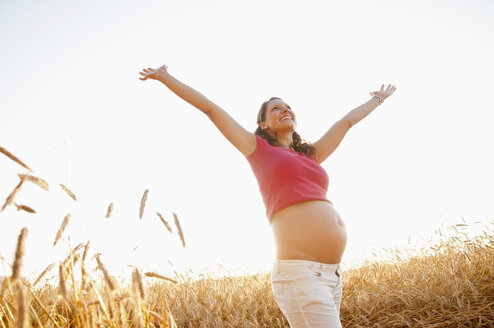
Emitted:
pixel 448 284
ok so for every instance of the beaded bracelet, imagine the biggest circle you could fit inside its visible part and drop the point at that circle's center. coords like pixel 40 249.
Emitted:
pixel 380 99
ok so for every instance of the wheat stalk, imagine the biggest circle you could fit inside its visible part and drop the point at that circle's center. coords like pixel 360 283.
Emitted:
pixel 155 275
pixel 136 313
pixel 101 266
pixel 143 203
pixel 24 208
pixel 179 228
pixel 86 249
pixel 84 283
pixel 37 181
pixel 102 305
pixel 19 254
pixel 71 259
pixel 155 315
pixel 45 271
pixel 61 276
pixel 12 157
pixel 122 315
pixel 62 228
pixel 137 281
pixel 168 227
pixel 21 316
pixel 109 211
pixel 70 193
pixel 138 290
pixel 78 247
pixel 10 197
pixel 83 268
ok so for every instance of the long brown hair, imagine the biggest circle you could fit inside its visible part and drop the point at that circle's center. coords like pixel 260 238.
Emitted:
pixel 297 144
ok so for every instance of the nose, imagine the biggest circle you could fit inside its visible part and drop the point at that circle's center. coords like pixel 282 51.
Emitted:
pixel 287 110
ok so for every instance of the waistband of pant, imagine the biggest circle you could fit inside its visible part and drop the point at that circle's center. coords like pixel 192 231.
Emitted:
pixel 310 264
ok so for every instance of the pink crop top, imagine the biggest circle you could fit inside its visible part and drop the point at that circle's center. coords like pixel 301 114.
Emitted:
pixel 286 177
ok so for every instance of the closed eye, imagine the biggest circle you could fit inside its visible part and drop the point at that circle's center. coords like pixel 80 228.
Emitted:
pixel 276 107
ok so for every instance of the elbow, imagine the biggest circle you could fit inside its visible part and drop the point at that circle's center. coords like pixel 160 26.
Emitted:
pixel 208 110
pixel 348 123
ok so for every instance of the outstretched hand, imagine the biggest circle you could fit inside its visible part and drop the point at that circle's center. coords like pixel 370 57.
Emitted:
pixel 154 74
pixel 384 93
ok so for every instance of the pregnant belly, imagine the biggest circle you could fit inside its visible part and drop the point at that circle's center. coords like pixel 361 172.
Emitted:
pixel 311 231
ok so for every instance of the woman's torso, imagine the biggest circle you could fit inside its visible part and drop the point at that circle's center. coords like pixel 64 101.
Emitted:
pixel 311 230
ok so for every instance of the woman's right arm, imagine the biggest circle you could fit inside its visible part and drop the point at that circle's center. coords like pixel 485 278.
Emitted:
pixel 242 139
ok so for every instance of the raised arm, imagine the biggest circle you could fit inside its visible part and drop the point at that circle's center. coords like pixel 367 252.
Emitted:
pixel 333 137
pixel 242 139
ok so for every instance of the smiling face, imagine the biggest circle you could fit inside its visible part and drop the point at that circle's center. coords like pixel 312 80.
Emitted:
pixel 278 117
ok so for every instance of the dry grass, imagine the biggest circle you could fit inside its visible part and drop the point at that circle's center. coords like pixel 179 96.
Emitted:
pixel 450 285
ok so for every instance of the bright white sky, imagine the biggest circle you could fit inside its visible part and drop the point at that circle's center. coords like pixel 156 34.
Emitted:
pixel 72 107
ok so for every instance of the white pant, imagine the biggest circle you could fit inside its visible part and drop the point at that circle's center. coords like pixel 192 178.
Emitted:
pixel 307 292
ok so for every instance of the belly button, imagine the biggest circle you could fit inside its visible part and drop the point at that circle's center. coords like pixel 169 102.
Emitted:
pixel 317 274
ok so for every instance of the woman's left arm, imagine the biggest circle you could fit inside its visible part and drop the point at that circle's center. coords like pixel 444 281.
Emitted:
pixel 331 139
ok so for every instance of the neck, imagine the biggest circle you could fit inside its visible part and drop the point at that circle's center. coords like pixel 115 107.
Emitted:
pixel 284 139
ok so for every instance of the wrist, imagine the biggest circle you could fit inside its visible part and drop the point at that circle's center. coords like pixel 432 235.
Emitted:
pixel 379 98
pixel 164 77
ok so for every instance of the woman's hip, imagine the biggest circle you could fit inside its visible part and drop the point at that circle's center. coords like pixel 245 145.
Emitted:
pixel 306 273
pixel 308 293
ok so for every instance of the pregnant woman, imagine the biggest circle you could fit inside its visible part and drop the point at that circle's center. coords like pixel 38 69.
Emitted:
pixel 309 233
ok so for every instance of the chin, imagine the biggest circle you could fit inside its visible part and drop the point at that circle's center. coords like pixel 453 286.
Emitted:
pixel 288 127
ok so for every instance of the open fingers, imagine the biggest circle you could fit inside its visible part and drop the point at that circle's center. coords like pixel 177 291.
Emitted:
pixel 150 69
pixel 145 75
